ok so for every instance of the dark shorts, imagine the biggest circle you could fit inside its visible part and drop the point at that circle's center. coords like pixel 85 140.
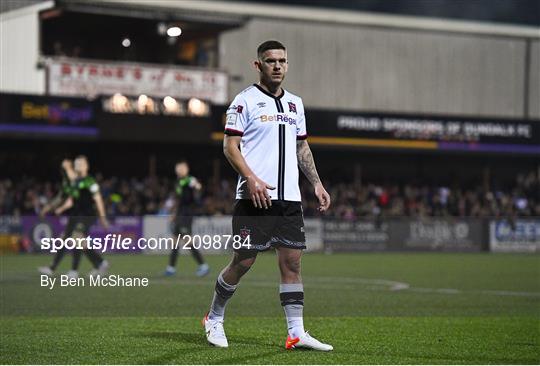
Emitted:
pixel 182 225
pixel 80 225
pixel 281 225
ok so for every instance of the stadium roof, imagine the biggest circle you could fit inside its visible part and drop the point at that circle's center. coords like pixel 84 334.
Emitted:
pixel 513 12
pixel 231 11
pixel 174 10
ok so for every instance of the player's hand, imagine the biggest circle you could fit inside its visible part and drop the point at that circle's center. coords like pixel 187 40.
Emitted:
pixel 258 191
pixel 195 184
pixel 58 212
pixel 323 197
pixel 67 164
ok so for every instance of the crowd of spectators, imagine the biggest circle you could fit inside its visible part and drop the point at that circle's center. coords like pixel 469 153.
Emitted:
pixel 352 201
pixel 155 196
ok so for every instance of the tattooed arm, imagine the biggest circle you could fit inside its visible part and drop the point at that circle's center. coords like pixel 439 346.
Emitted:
pixel 307 165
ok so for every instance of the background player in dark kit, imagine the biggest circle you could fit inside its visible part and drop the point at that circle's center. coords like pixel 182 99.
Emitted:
pixel 67 190
pixel 186 189
pixel 84 201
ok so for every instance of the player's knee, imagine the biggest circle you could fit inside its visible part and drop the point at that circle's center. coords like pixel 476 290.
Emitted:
pixel 292 265
pixel 245 265
pixel 241 264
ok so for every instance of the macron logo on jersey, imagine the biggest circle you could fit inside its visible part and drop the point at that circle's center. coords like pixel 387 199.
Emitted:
pixel 278 118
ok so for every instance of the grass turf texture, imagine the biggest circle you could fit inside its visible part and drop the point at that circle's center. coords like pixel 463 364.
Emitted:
pixel 374 308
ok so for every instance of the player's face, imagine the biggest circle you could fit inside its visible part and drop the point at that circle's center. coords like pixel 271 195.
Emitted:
pixel 272 66
pixel 81 165
pixel 182 169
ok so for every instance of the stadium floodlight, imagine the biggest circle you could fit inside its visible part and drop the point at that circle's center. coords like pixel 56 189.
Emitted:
pixel 143 99
pixel 119 103
pixel 197 107
pixel 171 105
pixel 126 42
pixel 174 31
pixel 142 103
pixel 169 101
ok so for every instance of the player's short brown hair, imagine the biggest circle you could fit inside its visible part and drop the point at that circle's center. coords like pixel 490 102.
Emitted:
pixel 269 45
pixel 82 157
pixel 182 161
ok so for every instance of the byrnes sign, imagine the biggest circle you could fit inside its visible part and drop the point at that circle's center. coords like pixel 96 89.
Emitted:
pixel 87 78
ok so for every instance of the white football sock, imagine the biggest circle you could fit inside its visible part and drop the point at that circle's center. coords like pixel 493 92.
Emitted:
pixel 222 294
pixel 292 300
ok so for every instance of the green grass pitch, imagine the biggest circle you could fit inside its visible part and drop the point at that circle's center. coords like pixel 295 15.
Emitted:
pixel 398 308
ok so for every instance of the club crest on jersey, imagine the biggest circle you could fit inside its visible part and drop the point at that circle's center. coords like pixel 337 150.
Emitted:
pixel 239 109
pixel 292 107
pixel 244 232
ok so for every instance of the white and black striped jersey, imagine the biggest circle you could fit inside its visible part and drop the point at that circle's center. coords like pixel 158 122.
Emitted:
pixel 269 127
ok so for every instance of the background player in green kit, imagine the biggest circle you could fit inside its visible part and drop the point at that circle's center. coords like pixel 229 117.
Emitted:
pixel 61 197
pixel 68 189
pixel 186 190
pixel 85 199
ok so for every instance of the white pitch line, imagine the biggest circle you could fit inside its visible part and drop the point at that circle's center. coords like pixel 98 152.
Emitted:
pixel 448 291
pixel 393 285
pixel 319 282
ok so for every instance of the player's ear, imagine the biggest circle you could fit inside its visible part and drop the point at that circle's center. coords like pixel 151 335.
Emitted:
pixel 257 65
